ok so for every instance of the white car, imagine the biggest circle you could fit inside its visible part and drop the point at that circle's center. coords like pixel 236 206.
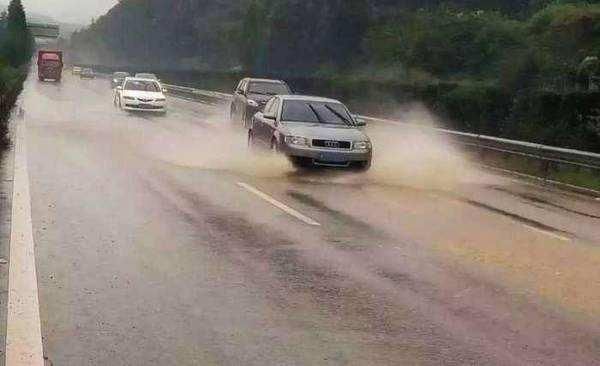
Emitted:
pixel 138 94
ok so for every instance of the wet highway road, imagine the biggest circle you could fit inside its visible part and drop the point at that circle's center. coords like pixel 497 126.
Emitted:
pixel 160 241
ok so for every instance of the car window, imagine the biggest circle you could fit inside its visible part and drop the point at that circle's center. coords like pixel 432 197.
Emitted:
pixel 274 107
pixel 267 88
pixel 142 85
pixel 243 87
pixel 269 105
pixel 147 76
pixel 315 112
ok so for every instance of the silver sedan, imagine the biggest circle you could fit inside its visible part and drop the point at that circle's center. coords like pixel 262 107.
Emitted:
pixel 312 131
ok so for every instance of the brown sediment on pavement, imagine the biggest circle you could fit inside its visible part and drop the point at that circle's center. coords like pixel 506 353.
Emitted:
pixel 539 200
pixel 359 225
pixel 514 216
pixel 298 279
pixel 323 289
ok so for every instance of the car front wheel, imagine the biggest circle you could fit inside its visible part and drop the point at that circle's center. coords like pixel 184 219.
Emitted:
pixel 362 166
pixel 274 146
pixel 301 162
pixel 244 118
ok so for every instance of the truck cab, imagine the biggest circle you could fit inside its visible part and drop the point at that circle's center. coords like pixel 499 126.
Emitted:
pixel 50 65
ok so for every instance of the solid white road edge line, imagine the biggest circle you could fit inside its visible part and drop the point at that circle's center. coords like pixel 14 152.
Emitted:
pixel 548 233
pixel 23 328
pixel 290 211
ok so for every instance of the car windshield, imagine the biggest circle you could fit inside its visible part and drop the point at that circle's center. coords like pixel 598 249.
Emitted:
pixel 268 88
pixel 142 85
pixel 52 63
pixel 315 112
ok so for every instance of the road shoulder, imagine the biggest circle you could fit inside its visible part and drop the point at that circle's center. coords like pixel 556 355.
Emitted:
pixel 6 192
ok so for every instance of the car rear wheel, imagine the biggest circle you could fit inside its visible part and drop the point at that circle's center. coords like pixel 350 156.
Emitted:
pixel 232 114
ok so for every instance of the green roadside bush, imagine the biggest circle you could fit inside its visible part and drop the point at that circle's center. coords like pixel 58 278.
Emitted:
pixel 16 47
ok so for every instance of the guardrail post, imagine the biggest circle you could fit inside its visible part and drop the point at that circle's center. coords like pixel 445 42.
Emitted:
pixel 545 163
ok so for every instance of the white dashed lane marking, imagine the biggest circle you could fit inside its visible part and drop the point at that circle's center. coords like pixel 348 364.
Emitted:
pixel 290 211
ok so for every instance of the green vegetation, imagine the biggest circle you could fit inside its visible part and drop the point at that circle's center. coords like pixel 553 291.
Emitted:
pixel 518 69
pixel 16 45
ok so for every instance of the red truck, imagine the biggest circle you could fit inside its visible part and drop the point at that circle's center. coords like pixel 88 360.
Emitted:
pixel 50 65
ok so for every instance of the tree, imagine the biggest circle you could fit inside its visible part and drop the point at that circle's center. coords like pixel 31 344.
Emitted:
pixel 255 33
pixel 18 44
pixel 350 26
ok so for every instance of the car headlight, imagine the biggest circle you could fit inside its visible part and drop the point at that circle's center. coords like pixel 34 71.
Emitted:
pixel 128 98
pixel 252 103
pixel 296 140
pixel 362 145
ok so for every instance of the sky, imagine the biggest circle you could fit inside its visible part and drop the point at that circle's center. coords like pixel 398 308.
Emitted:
pixel 69 11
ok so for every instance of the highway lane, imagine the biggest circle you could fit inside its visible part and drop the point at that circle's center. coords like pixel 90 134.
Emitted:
pixel 150 251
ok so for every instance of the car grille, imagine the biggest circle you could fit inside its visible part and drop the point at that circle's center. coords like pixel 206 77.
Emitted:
pixel 332 144
pixel 143 106
pixel 145 100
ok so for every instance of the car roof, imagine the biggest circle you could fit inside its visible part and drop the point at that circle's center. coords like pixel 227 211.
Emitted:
pixel 267 80
pixel 308 98
pixel 140 79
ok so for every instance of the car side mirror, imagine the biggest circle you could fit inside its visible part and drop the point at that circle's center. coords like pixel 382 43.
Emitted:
pixel 360 122
pixel 164 90
pixel 119 87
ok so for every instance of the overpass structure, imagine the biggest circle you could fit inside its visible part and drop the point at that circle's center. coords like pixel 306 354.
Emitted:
pixel 42 30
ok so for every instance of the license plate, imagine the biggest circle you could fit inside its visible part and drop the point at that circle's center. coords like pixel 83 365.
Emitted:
pixel 332 158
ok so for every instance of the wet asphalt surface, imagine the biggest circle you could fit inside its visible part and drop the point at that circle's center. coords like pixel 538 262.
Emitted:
pixel 149 253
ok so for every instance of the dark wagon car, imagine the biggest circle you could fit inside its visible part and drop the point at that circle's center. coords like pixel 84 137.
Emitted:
pixel 251 95
pixel 118 78
pixel 87 73
pixel 312 131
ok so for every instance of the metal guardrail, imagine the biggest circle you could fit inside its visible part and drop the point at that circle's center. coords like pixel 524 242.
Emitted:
pixel 549 157
pixel 528 149
pixel 175 89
